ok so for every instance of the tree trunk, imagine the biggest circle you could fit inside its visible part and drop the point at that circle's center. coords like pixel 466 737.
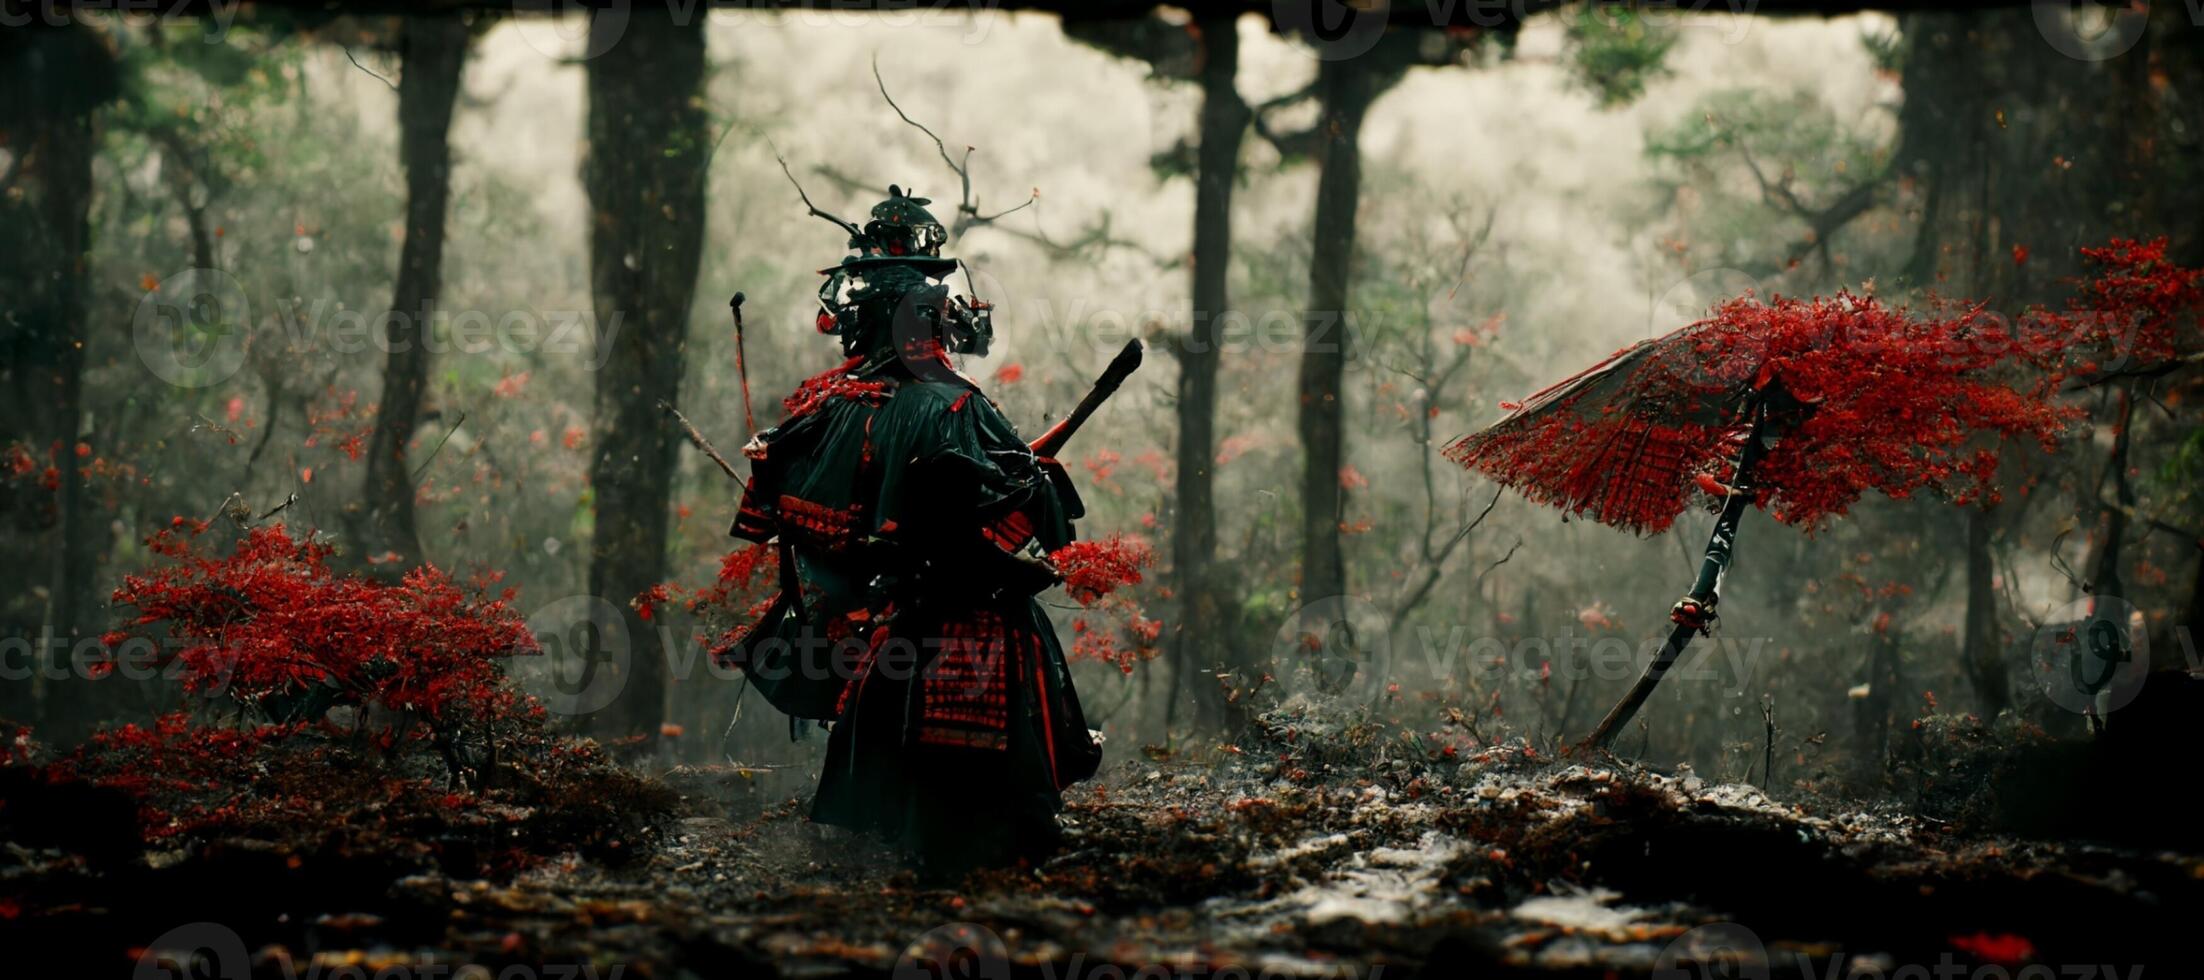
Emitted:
pixel 1204 627
pixel 2104 575
pixel 1345 88
pixel 56 79
pixel 1984 640
pixel 645 179
pixel 2190 630
pixel 435 57
pixel 1871 714
pixel 1986 102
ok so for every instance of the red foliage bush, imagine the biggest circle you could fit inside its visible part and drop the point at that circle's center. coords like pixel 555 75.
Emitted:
pixel 441 758
pixel 310 788
pixel 184 775
pixel 271 626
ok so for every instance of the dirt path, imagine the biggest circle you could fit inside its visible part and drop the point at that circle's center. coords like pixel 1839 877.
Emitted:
pixel 1503 864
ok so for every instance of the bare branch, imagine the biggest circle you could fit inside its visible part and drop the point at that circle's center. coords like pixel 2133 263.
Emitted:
pixel 433 453
pixel 1518 546
pixel 939 146
pixel 1821 223
pixel 1029 202
pixel 1435 568
pixel 854 231
pixel 370 72
pixel 968 207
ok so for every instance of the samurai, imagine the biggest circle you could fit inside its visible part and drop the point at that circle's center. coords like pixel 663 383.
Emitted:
pixel 913 527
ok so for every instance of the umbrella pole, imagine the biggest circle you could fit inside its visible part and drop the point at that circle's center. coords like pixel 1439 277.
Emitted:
pixel 1695 611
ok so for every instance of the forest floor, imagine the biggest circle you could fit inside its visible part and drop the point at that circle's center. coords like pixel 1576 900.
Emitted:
pixel 1325 857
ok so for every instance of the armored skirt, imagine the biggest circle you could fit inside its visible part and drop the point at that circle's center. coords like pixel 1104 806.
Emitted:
pixel 910 515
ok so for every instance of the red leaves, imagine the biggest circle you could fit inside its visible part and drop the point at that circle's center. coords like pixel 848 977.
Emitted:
pixel 1874 398
pixel 740 572
pixel 1899 403
pixel 176 770
pixel 339 420
pixel 272 627
pixel 2139 310
pixel 1094 569
pixel 2001 948
pixel 1097 575
pixel 727 607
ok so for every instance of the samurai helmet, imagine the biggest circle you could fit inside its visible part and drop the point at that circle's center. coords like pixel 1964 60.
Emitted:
pixel 892 294
pixel 901 226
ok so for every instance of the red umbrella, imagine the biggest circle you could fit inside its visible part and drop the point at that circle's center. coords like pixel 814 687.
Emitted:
pixel 1799 406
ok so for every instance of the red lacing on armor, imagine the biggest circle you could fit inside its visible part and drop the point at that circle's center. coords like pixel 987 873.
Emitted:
pixel 831 527
pixel 820 388
pixel 965 689
pixel 929 349
pixel 1011 532
pixel 967 685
